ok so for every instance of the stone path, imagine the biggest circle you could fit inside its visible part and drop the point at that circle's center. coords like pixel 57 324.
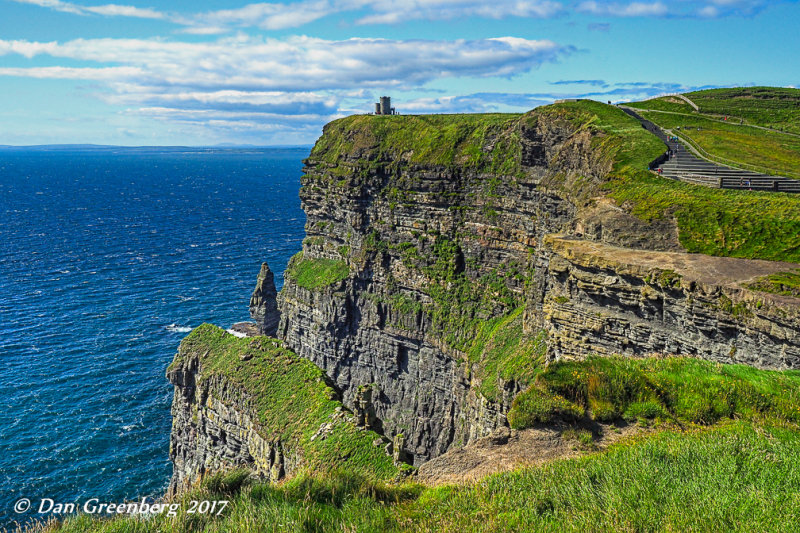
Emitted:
pixel 686 165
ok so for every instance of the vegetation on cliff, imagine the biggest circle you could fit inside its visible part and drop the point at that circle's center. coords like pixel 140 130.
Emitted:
pixel 442 140
pixel 315 273
pixel 754 128
pixel 290 397
pixel 711 221
pixel 783 283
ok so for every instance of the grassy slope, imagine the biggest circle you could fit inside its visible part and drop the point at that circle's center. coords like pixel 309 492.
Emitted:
pixel 767 151
pixel 771 107
pixel 783 283
pixel 316 273
pixel 446 140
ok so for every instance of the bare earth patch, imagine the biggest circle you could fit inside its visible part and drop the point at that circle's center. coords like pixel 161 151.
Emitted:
pixel 506 450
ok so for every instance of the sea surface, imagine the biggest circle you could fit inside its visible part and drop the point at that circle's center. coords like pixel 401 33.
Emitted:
pixel 108 257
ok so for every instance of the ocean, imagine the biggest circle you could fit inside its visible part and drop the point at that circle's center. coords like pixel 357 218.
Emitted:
pixel 108 257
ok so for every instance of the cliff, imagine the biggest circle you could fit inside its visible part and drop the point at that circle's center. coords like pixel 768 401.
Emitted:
pixel 251 402
pixel 427 272
pixel 449 259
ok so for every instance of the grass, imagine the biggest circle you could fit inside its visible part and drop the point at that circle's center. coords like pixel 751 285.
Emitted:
pixel 769 107
pixel 317 272
pixel 746 224
pixel 710 221
pixel 783 283
pixel 673 389
pixel 442 140
pixel 290 398
pixel 733 477
pixel 502 352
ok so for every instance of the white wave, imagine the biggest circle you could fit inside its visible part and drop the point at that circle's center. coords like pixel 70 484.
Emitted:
pixel 236 333
pixel 175 328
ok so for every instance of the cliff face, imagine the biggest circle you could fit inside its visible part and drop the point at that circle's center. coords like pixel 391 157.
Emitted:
pixel 252 403
pixel 596 298
pixel 426 273
pixel 416 238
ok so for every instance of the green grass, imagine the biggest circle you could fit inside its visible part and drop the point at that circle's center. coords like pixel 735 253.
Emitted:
pixel 783 283
pixel 752 225
pixel 675 389
pixel 734 477
pixel 740 140
pixel 502 352
pixel 710 221
pixel 443 140
pixel 769 107
pixel 317 272
pixel 290 398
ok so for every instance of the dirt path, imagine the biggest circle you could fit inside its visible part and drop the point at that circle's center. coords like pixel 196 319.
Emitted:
pixel 507 450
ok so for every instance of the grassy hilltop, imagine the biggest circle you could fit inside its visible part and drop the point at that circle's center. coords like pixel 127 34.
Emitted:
pixel 717 446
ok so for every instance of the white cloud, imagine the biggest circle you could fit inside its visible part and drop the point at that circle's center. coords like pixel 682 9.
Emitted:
pixel 295 81
pixel 277 16
pixel 395 11
pixel 109 74
pixel 633 9
pixel 114 10
pixel 301 63
pixel 268 16
pixel 111 10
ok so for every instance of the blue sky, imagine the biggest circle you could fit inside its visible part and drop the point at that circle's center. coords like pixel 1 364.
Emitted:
pixel 149 72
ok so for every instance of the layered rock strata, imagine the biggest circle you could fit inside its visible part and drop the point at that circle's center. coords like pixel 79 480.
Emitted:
pixel 438 276
pixel 409 233
pixel 213 431
pixel 599 299
pixel 417 236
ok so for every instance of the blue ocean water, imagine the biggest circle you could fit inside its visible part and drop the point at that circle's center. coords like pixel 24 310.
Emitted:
pixel 107 259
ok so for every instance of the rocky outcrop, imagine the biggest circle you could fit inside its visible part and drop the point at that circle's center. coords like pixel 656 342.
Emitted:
pixel 433 269
pixel 594 298
pixel 263 306
pixel 249 402
pixel 213 430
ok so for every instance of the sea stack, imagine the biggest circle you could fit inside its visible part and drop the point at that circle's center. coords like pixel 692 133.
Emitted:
pixel 263 305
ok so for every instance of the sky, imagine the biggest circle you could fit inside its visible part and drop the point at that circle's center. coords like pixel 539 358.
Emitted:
pixel 210 72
